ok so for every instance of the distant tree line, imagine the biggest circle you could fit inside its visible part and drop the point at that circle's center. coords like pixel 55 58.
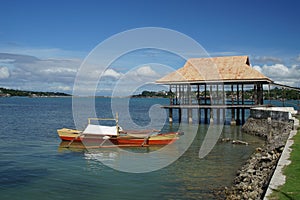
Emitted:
pixel 153 94
pixel 22 93
pixel 275 93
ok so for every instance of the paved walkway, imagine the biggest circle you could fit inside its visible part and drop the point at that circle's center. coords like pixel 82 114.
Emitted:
pixel 278 178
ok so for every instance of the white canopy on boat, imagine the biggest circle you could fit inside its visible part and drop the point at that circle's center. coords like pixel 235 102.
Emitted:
pixel 100 130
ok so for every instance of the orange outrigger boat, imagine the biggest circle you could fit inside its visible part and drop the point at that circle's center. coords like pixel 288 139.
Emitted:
pixel 111 136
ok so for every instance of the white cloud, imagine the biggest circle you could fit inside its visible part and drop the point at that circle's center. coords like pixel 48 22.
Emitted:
pixel 32 73
pixel 142 74
pixel 281 73
pixel 146 71
pixel 4 72
pixel 137 78
pixel 276 70
pixel 6 61
pixel 120 82
pixel 59 70
pixel 49 70
pixel 112 73
pixel 42 53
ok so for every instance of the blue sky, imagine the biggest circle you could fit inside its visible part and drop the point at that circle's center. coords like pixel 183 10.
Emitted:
pixel 43 43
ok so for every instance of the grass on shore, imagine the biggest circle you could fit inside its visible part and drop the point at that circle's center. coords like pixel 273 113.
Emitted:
pixel 291 189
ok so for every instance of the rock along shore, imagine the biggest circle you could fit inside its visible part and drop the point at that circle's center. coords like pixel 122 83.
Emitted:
pixel 253 178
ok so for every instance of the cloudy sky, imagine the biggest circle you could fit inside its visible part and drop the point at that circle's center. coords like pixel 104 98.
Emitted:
pixel 44 43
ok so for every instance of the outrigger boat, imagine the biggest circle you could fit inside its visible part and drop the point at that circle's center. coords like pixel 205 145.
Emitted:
pixel 109 136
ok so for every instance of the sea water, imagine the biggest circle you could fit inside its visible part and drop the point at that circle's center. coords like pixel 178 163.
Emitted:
pixel 33 165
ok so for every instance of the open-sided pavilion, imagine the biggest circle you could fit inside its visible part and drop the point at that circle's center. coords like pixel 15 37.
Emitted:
pixel 214 85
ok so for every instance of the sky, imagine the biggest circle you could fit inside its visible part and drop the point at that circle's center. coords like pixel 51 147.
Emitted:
pixel 43 44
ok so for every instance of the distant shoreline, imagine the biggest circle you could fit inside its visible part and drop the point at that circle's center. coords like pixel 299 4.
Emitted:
pixel 4 92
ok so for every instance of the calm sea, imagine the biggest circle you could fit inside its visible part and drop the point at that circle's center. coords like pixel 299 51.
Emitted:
pixel 34 166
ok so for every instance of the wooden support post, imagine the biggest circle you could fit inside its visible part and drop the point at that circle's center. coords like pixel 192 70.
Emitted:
pixel 260 98
pixel 199 115
pixel 283 96
pixel 232 98
pixel 243 95
pixel 261 94
pixel 189 95
pixel 224 102
pixel 255 94
pixel 211 119
pixel 170 115
pixel 243 103
pixel 233 122
pixel 205 115
pixel 179 94
pixel 179 115
pixel 218 116
pixel 205 93
pixel 182 95
pixel 171 98
pixel 243 116
pixel 176 94
pixel 269 94
pixel 224 95
pixel 238 120
pixel 217 94
pixel 198 95
pixel 210 95
pixel 224 115
pixel 190 115
pixel 237 94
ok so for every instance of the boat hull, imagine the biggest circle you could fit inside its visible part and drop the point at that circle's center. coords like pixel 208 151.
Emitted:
pixel 122 140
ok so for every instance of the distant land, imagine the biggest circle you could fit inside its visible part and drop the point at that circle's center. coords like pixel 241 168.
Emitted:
pixel 4 92
pixel 153 94
pixel 275 93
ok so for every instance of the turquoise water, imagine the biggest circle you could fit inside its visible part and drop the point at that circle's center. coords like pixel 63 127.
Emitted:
pixel 33 166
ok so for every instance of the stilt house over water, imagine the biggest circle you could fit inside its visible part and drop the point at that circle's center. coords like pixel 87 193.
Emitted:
pixel 210 86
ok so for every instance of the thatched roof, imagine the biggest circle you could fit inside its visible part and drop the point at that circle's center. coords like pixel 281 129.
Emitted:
pixel 218 69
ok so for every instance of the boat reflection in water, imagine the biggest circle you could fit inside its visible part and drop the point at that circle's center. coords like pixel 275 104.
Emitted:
pixel 92 147
pixel 122 157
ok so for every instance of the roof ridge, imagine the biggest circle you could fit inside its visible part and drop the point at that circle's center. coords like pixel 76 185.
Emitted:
pixel 218 57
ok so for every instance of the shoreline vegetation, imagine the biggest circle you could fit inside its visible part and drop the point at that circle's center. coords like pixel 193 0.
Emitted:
pixel 291 188
pixel 276 93
pixel 4 92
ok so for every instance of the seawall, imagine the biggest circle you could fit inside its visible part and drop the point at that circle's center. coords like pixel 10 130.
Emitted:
pixel 253 179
